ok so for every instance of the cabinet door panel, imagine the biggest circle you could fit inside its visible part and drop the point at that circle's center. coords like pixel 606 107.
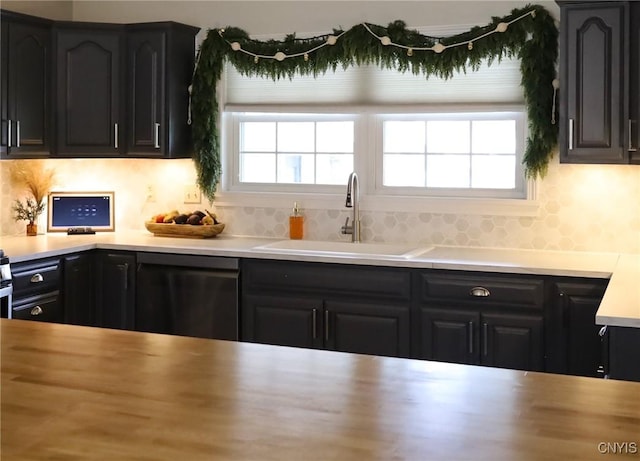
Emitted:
pixel 29 56
pixel 512 341
pixel 116 290
pixel 282 321
pixel 450 335
pixel 89 92
pixel 79 289
pixel 595 50
pixel 367 328
pixel 634 85
pixel 146 69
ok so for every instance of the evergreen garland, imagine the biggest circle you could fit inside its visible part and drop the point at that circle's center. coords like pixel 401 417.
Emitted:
pixel 533 39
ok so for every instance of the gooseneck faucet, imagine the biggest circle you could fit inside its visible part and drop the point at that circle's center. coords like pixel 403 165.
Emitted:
pixel 353 201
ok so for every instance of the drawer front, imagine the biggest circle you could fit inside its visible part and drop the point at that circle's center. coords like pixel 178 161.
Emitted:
pixel 43 308
pixel 327 279
pixel 481 289
pixel 36 277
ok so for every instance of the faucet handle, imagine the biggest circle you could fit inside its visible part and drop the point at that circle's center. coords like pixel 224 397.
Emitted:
pixel 346 228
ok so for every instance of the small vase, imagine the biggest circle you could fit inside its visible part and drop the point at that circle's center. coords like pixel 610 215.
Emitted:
pixel 32 229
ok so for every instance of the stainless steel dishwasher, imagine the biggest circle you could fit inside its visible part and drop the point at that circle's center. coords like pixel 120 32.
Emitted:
pixel 187 295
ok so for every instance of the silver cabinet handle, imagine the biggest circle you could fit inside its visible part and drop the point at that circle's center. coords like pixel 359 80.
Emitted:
pixel 631 148
pixel 36 311
pixel 115 136
pixel 471 337
pixel 18 133
pixel 485 339
pixel 570 134
pixel 326 326
pixel 480 292
pixel 36 278
pixel 157 137
pixel 603 331
pixel 314 320
pixel 8 133
pixel 124 270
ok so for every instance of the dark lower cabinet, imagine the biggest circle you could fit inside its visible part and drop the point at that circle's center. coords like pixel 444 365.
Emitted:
pixel 282 320
pixel 624 353
pixel 115 289
pixel 334 325
pixel 481 319
pixel 576 344
pixel 46 307
pixel 356 309
pixel 512 341
pixel 187 295
pixel 79 289
pixel 494 339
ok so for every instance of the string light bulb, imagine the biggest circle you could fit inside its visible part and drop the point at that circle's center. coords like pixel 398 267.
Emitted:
pixel 331 40
pixel 502 27
pixel 386 41
pixel 410 52
pixel 235 46
pixel 280 56
pixel 256 59
pixel 470 46
pixel 306 56
pixel 438 48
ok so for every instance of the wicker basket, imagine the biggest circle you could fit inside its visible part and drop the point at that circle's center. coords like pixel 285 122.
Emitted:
pixel 184 230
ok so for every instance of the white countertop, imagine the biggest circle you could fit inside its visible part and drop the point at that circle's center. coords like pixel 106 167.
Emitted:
pixel 620 305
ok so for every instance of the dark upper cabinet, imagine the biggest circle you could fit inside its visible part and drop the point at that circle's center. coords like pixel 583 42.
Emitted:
pixel 599 81
pixel 122 90
pixel 160 59
pixel 25 53
pixel 634 82
pixel 89 82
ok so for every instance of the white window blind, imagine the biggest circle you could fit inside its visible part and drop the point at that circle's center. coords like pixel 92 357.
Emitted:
pixel 370 85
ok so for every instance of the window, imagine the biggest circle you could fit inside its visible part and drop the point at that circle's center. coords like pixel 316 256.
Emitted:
pixel 293 149
pixel 465 154
pixel 453 154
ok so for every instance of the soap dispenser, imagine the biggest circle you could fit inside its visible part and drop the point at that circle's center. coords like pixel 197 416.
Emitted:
pixel 296 221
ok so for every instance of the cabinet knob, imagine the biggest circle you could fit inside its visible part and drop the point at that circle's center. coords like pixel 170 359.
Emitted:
pixel 36 311
pixel 36 278
pixel 480 292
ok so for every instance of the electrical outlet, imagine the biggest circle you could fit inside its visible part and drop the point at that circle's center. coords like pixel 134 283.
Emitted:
pixel 192 194
pixel 151 193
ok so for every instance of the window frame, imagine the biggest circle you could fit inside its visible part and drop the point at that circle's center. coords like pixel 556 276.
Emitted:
pixel 309 197
pixel 484 112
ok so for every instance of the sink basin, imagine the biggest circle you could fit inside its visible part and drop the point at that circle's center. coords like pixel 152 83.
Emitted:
pixel 319 247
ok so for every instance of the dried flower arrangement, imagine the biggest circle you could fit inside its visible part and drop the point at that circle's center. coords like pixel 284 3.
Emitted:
pixel 32 176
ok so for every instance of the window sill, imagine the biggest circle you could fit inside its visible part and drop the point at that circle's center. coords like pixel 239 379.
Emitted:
pixel 436 205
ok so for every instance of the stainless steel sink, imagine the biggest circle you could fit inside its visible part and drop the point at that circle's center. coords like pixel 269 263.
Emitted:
pixel 319 247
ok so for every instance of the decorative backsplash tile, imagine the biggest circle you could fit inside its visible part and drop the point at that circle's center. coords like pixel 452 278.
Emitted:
pixel 582 207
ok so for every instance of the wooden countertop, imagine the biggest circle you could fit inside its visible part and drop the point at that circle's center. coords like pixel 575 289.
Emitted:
pixel 79 393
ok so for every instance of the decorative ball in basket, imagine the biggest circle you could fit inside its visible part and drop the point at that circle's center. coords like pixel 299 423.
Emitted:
pixel 191 225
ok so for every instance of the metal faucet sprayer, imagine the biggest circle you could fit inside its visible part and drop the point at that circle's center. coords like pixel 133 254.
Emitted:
pixel 353 201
